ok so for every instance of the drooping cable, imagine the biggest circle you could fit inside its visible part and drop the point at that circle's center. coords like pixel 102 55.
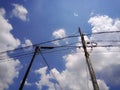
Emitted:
pixel 34 45
pixel 50 69
pixel 70 36
pixel 56 49
pixel 44 49
pixel 101 32
pixel 4 59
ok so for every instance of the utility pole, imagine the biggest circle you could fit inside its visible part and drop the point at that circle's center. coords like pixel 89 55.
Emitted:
pixel 26 74
pixel 91 71
pixel 37 49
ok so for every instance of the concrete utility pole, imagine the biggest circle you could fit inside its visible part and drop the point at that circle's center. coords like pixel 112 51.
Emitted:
pixel 91 71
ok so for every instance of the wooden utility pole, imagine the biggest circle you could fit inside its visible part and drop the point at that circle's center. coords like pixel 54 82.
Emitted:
pixel 27 72
pixel 91 71
pixel 37 49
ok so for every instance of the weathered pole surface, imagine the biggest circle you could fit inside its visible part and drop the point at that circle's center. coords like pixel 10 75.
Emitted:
pixel 91 71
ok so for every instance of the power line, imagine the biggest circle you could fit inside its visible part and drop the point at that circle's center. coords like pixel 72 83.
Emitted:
pixel 53 47
pixel 28 54
pixel 105 40
pixel 50 69
pixel 59 50
pixel 37 49
pixel 17 56
pixel 65 47
pixel 6 59
pixel 101 32
pixel 49 41
pixel 34 45
pixel 43 48
pixel 108 46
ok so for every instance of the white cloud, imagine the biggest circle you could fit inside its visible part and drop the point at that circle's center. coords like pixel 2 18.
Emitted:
pixel 27 83
pixel 102 85
pixel 75 14
pixel 45 79
pixel 20 12
pixel 105 62
pixel 27 43
pixel 73 76
pixel 2 11
pixel 60 33
pixel 9 70
pixel 104 23
pixel 7 40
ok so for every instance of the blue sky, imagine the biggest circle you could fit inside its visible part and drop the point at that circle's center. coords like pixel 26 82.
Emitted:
pixel 28 22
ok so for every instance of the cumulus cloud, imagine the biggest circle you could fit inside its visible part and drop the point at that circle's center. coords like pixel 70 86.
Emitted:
pixel 27 83
pixel 75 14
pixel 105 61
pixel 60 33
pixel 6 38
pixel 74 77
pixel 27 43
pixel 2 11
pixel 9 70
pixel 104 23
pixel 20 12
pixel 44 80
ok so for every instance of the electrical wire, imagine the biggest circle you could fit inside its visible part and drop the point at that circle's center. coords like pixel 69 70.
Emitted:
pixel 17 56
pixel 50 52
pixel 49 41
pixel 101 32
pixel 50 69
pixel 58 50
pixel 65 45
pixel 62 46
pixel 105 40
pixel 34 45
pixel 108 46
pixel 6 59
pixel 21 54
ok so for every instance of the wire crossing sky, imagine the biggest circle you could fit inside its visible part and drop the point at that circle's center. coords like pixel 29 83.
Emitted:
pixel 25 24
